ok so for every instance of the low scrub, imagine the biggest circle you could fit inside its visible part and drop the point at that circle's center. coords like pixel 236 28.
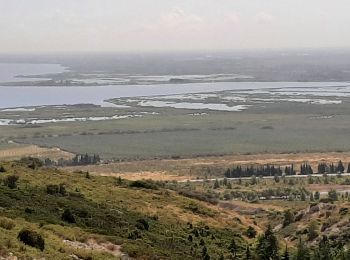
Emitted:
pixel 7 223
pixel 145 184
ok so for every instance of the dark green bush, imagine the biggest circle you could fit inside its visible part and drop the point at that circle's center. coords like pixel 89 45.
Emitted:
pixel 52 189
pixel 32 163
pixel 11 181
pixel 251 232
pixel 56 189
pixel 142 224
pixel 135 234
pixel 32 238
pixel 146 184
pixel 68 216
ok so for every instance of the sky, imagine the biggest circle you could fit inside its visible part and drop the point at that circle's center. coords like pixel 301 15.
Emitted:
pixel 163 25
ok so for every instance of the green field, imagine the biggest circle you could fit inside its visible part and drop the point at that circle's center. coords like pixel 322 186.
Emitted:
pixel 276 127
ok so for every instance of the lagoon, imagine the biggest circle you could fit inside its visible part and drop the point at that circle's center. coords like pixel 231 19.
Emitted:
pixel 11 97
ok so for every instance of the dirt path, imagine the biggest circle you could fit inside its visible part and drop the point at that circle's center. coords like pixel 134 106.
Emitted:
pixel 91 244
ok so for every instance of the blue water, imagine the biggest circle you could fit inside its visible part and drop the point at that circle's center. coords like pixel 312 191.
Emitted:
pixel 39 96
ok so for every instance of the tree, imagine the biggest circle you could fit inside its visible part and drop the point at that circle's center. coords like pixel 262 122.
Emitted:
pixel 216 184
pixel 312 230
pixel 253 180
pixel 248 254
pixel 119 181
pixel 205 255
pixel 312 196
pixel 267 245
pixel 276 178
pixel 233 248
pixel 324 249
pixel 303 253
pixel 286 254
pixel 317 195
pixel 340 167
pixel 288 218
pixel 333 195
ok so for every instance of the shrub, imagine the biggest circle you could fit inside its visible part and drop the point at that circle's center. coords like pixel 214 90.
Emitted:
pixel 52 189
pixel 56 189
pixel 68 216
pixel 7 223
pixel 32 163
pixel 2 169
pixel 332 195
pixel 11 181
pixel 251 232
pixel 32 238
pixel 29 210
pixel 135 234
pixel 288 218
pixel 142 224
pixel 146 184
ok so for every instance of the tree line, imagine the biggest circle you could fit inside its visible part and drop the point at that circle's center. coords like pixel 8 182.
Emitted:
pixel 77 160
pixel 272 170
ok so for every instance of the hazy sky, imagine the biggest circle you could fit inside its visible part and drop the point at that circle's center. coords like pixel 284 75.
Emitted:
pixel 138 25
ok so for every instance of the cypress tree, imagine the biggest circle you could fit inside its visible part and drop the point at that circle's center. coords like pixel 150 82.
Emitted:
pixel 233 248
pixel 286 254
pixel 324 249
pixel 267 246
pixel 317 195
pixel 216 184
pixel 303 252
pixel 248 255
pixel 340 167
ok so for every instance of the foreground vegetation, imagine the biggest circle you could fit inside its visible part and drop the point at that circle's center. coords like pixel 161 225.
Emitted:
pixel 50 213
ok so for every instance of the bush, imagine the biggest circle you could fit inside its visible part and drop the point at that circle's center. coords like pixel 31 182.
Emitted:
pixel 11 181
pixel 32 238
pixel 68 216
pixel 32 163
pixel 289 218
pixel 146 184
pixel 142 224
pixel 332 195
pixel 52 189
pixel 251 232
pixel 2 169
pixel 7 223
pixel 135 234
pixel 56 189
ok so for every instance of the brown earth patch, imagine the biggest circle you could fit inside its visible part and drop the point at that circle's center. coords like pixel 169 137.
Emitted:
pixel 34 151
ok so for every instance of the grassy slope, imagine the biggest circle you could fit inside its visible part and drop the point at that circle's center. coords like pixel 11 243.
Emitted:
pixel 108 212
